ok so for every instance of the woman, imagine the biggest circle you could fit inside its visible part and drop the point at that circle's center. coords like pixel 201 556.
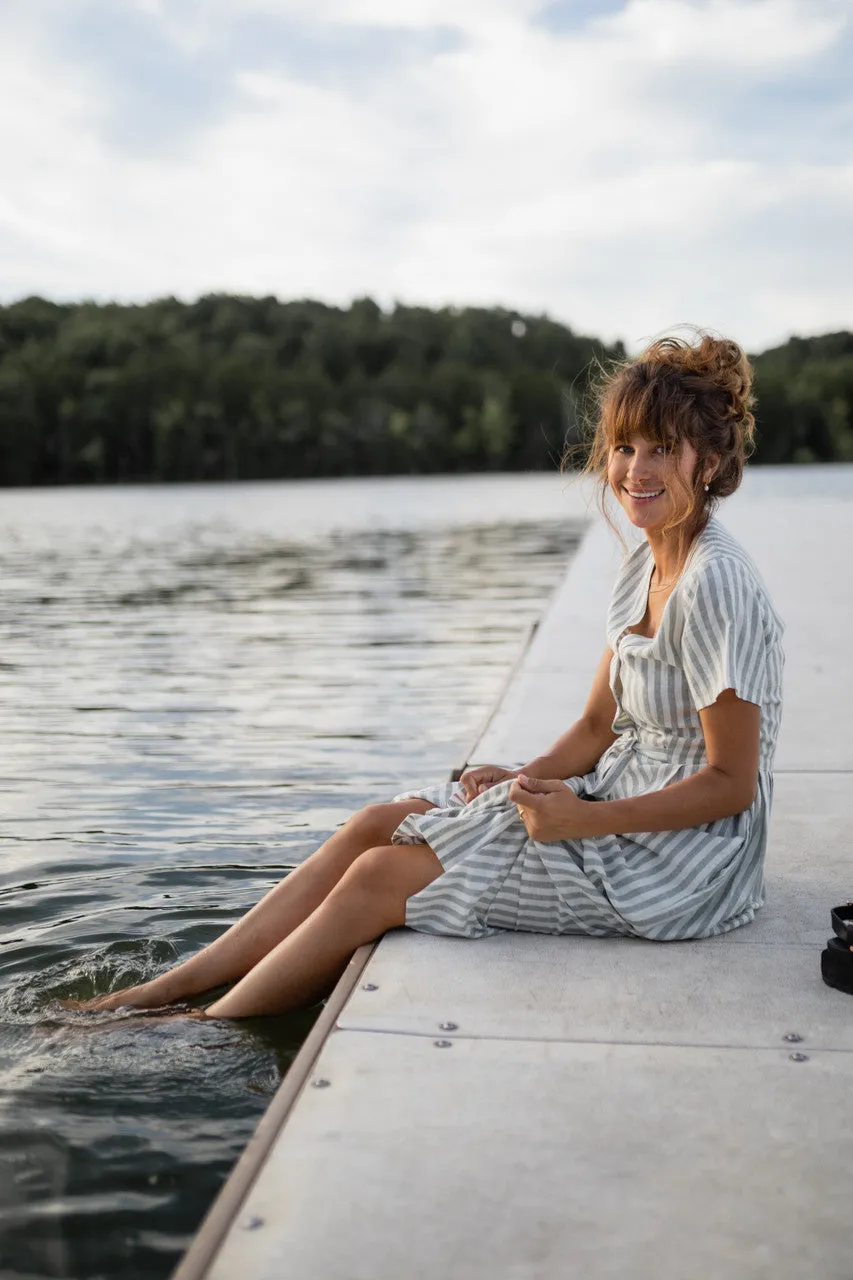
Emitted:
pixel 648 817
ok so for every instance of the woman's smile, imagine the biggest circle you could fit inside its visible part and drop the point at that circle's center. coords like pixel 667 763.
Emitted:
pixel 640 495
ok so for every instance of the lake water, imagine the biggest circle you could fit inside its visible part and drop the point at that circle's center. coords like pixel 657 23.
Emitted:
pixel 197 685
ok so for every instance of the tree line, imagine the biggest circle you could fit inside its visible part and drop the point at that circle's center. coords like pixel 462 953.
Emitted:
pixel 233 387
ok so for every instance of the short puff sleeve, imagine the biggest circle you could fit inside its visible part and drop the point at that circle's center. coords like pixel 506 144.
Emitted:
pixel 724 640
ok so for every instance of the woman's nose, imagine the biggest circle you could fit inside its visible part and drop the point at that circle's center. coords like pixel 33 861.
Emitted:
pixel 640 469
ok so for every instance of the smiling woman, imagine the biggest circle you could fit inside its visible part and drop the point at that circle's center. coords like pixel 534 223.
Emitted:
pixel 683 413
pixel 648 817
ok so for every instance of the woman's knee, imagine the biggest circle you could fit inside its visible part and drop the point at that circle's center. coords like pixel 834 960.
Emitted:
pixel 376 823
pixel 373 870
pixel 393 871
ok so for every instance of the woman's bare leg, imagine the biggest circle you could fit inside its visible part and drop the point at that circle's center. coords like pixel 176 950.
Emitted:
pixel 369 899
pixel 278 913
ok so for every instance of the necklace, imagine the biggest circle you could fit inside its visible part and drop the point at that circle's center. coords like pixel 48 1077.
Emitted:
pixel 664 585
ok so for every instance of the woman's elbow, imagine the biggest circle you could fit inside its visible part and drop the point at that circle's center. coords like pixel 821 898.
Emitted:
pixel 599 732
pixel 738 794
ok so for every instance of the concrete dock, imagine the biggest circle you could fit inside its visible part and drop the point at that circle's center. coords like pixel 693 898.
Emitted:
pixel 526 1106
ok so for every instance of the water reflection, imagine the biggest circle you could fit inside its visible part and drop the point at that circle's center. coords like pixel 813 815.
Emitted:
pixel 188 708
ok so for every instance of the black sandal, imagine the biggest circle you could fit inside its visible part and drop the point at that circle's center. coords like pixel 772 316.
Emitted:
pixel 836 962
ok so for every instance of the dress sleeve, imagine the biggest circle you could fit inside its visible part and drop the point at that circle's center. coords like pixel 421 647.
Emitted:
pixel 724 641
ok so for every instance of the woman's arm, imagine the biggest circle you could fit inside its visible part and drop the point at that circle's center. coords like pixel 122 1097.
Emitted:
pixel 581 747
pixel 725 786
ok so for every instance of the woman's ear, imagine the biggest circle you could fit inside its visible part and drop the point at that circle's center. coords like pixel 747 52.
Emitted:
pixel 710 467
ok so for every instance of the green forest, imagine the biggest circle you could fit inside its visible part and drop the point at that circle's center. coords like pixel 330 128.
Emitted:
pixel 230 388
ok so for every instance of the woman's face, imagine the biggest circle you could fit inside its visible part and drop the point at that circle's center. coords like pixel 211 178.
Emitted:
pixel 640 473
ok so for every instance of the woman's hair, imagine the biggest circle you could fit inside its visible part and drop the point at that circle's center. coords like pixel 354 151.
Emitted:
pixel 674 391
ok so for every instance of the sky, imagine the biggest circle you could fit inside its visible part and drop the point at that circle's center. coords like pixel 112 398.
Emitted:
pixel 621 165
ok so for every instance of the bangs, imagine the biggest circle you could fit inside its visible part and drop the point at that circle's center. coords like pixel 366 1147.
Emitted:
pixel 639 409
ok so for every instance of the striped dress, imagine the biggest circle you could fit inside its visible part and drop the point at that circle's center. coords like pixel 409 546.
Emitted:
pixel 718 631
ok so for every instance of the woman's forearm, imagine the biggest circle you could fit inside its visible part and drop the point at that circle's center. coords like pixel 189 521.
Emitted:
pixel 704 797
pixel 577 752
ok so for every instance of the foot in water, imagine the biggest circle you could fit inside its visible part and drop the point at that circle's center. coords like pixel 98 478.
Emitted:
pixel 105 1004
pixel 115 1004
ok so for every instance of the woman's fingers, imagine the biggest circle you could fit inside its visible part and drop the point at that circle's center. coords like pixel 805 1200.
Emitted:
pixel 475 781
pixel 470 783
pixel 520 795
pixel 540 786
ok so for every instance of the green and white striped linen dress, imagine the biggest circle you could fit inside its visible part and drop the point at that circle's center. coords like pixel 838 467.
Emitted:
pixel 718 631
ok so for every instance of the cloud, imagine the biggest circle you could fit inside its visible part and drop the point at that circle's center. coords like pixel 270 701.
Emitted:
pixel 166 76
pixel 623 167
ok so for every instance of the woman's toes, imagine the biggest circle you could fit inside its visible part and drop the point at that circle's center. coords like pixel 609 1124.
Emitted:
pixel 100 1004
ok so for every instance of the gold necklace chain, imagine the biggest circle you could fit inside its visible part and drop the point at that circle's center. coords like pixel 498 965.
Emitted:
pixel 664 586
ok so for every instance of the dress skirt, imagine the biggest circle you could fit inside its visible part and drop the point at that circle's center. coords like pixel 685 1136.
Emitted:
pixel 658 885
pixel 495 876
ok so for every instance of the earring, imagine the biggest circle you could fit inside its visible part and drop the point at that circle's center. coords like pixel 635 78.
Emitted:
pixel 707 487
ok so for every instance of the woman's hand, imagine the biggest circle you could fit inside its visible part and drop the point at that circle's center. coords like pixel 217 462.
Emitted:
pixel 549 809
pixel 475 781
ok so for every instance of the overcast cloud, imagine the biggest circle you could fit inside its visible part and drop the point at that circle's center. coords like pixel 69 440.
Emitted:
pixel 623 166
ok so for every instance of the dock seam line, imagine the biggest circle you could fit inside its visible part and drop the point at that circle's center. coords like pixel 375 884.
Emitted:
pixel 782 1047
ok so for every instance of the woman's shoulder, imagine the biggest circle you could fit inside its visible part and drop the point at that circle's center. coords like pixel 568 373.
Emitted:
pixel 716 552
pixel 720 569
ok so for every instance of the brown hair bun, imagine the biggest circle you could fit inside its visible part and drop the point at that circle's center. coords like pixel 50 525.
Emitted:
pixel 717 374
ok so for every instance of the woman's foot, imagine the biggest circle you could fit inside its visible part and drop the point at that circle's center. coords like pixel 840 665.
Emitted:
pixel 162 1013
pixel 141 997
